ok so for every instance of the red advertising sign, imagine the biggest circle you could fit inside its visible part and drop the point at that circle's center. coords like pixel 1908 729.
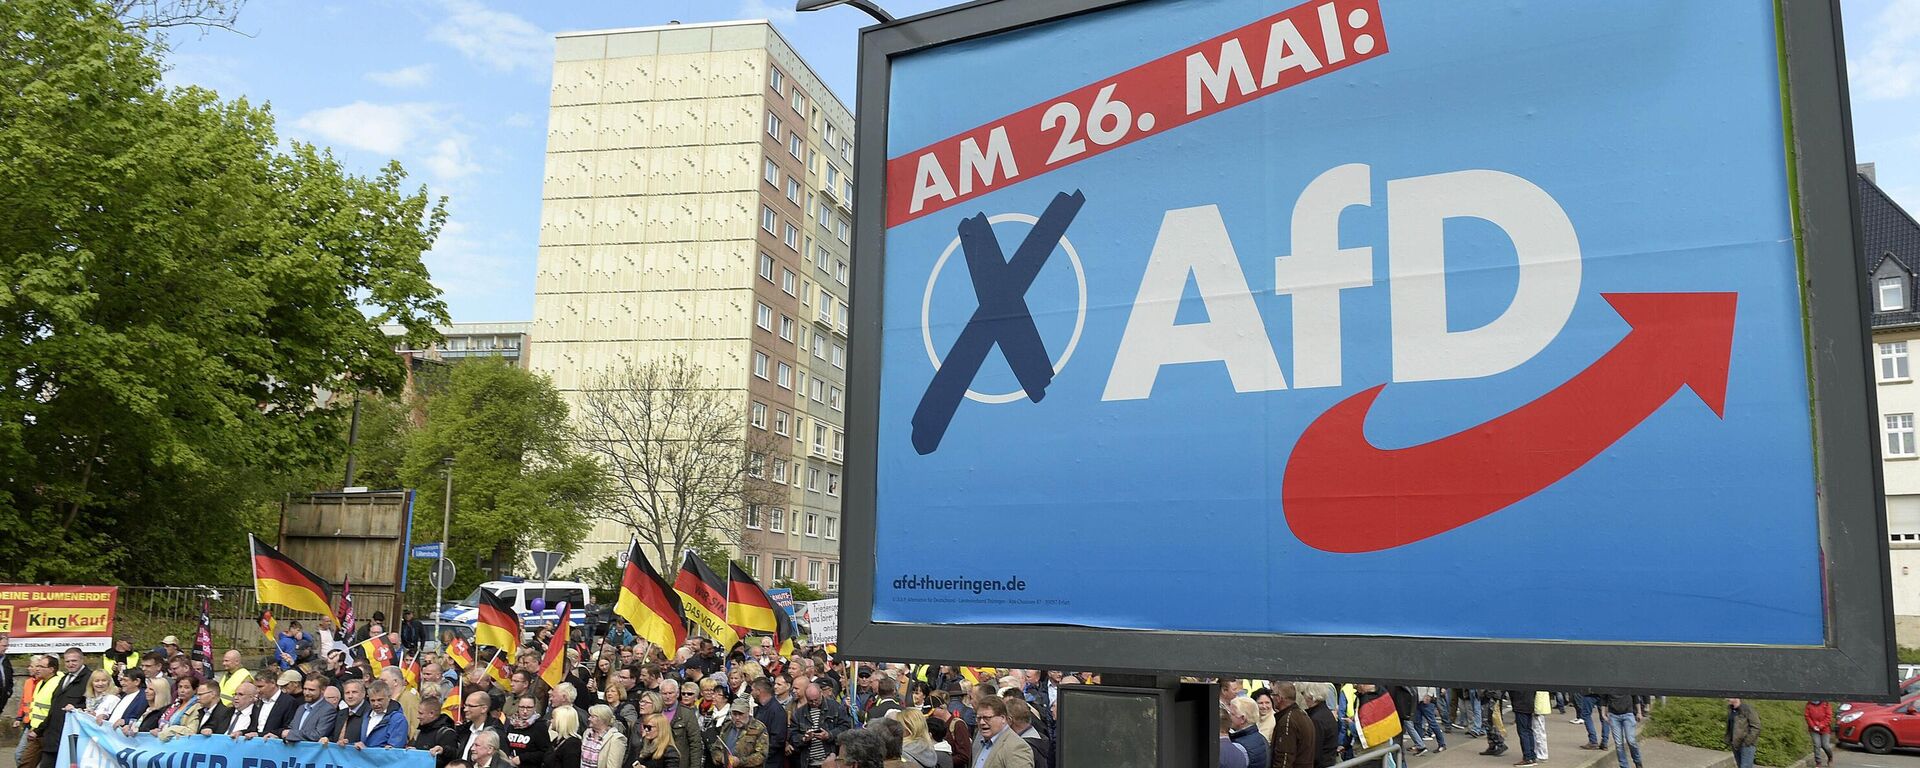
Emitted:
pixel 49 619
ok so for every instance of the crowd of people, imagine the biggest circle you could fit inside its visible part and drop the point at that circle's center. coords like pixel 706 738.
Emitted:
pixel 626 704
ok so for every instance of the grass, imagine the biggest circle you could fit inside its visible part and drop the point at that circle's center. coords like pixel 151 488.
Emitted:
pixel 1703 723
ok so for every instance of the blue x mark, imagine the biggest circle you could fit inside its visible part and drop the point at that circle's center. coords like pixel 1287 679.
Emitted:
pixel 1001 319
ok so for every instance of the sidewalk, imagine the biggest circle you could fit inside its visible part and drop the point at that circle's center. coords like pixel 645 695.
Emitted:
pixel 1563 751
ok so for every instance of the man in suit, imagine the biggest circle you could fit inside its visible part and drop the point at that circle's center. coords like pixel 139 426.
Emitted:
pixel 6 671
pixel 480 727
pixel 70 692
pixel 283 700
pixel 353 711
pixel 236 718
pixel 314 719
pixel 1000 747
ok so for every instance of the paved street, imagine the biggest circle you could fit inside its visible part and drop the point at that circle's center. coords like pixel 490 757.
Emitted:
pixel 1857 758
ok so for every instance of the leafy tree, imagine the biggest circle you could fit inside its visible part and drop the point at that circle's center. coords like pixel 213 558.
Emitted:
pixel 174 290
pixel 518 483
pixel 801 592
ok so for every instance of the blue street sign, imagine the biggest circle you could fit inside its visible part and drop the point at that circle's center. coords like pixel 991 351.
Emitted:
pixel 426 551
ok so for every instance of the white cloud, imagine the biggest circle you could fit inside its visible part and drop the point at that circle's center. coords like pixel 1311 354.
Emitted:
pixel 519 120
pixel 771 10
pixel 421 135
pixel 405 77
pixel 384 128
pixel 1890 68
pixel 498 40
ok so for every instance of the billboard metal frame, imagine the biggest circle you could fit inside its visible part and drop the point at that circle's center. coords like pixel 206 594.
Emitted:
pixel 1858 656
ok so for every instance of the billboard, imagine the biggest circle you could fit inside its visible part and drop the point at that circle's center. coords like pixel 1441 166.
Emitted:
pixel 1366 339
pixel 42 618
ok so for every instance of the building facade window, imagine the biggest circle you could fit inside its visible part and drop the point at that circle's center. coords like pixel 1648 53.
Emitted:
pixel 760 364
pixel 1891 293
pixel 769 171
pixel 766 267
pixel 763 316
pixel 780 422
pixel 1893 360
pixel 787 280
pixel 792 236
pixel 773 125
pixel 769 220
pixel 1899 430
pixel 786 328
pixel 759 417
pixel 753 566
pixel 833 527
pixel 780 471
pixel 776 80
pixel 777 521
pixel 813 574
pixel 793 145
pixel 786 376
pixel 813 524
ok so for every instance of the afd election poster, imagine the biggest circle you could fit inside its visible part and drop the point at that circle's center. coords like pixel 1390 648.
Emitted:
pixel 1469 319
pixel 87 744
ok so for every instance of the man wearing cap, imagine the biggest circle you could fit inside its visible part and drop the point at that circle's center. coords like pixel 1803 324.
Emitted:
pixel 742 741
pixel 683 716
pixel 280 702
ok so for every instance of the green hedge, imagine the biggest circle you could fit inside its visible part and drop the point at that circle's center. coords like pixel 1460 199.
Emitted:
pixel 1703 723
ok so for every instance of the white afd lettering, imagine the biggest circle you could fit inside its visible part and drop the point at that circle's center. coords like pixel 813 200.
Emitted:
pixel 1193 241
pixel 1319 269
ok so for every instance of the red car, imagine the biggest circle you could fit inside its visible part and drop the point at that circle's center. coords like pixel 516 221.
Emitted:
pixel 1879 728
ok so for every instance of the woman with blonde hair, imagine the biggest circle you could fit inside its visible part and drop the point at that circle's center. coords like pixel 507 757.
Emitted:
pixel 159 700
pixel 101 696
pixel 657 751
pixel 603 746
pixel 563 727
pixel 916 747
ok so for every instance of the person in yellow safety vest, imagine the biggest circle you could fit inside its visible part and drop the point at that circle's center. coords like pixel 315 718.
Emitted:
pixel 36 701
pixel 236 673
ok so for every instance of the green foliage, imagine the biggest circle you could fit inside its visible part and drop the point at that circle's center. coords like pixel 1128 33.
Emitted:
pixel 801 592
pixel 518 483
pixel 1703 723
pixel 602 578
pixel 1909 655
pixel 174 290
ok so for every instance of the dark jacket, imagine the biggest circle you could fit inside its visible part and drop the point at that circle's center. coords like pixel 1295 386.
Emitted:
pixel 280 715
pixel 1522 702
pixel 462 734
pixel 686 731
pixel 1619 703
pixel 1743 726
pixel 530 744
pixel 1250 739
pixel 564 753
pixel 1326 735
pixel 774 717
pixel 670 760
pixel 1403 700
pixel 439 732
pixel 1042 750
pixel 1294 742
pixel 56 722
pixel 346 729
pixel 6 679
pixel 834 719
pixel 219 720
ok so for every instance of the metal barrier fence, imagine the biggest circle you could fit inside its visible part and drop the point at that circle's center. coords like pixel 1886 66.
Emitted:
pixel 234 611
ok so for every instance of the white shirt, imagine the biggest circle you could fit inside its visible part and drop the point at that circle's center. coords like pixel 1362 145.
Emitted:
pixel 242 720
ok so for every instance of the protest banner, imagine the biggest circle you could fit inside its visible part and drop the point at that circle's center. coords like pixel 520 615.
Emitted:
pixel 87 744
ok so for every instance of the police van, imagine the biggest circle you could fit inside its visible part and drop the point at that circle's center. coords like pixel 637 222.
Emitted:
pixel 525 596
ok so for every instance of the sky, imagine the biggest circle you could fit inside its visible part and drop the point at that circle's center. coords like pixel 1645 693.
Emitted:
pixel 457 90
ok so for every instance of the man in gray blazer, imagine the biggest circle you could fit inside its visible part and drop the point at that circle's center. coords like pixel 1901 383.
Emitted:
pixel 314 719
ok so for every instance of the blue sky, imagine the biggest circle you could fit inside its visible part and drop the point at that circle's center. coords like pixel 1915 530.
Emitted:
pixel 457 90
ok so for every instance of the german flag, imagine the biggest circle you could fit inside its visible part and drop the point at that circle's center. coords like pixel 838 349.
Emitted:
pixel 278 580
pixel 705 599
pixel 1379 721
pixel 553 668
pixel 647 604
pixel 411 671
pixel 379 654
pixel 496 623
pixel 461 652
pixel 749 609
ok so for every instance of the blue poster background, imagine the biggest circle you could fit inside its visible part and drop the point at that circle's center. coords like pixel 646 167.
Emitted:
pixel 1655 125
pixel 103 747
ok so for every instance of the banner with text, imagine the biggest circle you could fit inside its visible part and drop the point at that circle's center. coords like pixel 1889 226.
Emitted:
pixel 50 619
pixel 90 745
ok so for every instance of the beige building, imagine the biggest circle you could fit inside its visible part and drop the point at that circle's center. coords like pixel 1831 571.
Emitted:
pixel 696 202
pixel 1891 246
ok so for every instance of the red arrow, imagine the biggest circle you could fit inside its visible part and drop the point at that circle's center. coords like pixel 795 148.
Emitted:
pixel 1342 494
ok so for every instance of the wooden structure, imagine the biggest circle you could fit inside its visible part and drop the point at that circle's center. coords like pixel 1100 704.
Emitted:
pixel 359 536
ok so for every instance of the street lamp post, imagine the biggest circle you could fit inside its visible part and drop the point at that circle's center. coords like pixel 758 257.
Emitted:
pixel 446 519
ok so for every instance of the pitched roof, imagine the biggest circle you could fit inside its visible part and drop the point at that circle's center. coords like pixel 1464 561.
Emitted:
pixel 1888 232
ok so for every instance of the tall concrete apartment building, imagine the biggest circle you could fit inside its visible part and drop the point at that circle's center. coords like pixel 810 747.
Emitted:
pixel 696 202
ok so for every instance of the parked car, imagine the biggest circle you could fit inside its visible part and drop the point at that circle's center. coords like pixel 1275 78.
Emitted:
pixel 522 595
pixel 1879 728
pixel 435 627
pixel 1908 687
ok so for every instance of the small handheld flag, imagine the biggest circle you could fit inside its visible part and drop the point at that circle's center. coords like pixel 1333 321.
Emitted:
pixel 496 623
pixel 654 610
pixel 553 668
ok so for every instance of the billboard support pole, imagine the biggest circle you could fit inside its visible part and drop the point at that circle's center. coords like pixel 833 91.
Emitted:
pixel 446 518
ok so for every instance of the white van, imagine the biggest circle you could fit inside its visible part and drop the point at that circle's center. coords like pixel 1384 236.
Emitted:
pixel 521 594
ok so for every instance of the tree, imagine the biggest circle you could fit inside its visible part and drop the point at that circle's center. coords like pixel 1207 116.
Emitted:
pixel 677 454
pixel 518 483
pixel 801 592
pixel 174 289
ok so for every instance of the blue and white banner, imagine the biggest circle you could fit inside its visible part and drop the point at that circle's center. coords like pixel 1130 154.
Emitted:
pixel 90 745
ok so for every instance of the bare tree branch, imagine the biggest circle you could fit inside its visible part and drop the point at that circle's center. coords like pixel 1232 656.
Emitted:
pixel 168 14
pixel 678 453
